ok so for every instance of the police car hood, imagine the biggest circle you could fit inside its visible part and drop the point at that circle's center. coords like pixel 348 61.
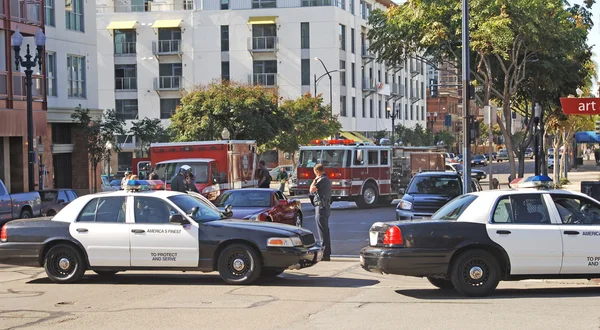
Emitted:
pixel 271 227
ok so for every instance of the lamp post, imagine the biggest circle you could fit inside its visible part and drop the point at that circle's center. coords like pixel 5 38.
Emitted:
pixel 108 148
pixel 536 121
pixel 392 113
pixel 431 119
pixel 29 63
pixel 327 73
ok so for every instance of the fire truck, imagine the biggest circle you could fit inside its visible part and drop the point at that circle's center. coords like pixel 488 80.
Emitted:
pixel 216 165
pixel 367 174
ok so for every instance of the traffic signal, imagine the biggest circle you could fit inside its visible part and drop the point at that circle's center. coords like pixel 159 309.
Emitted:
pixel 433 88
pixel 598 127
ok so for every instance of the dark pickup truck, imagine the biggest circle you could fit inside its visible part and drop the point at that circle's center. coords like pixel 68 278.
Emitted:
pixel 19 205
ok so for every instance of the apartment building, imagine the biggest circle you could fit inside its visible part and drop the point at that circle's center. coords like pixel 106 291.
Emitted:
pixel 151 52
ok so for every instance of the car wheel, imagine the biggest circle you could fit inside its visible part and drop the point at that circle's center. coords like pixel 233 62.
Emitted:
pixel 475 273
pixel 298 219
pixel 26 214
pixel 441 283
pixel 271 272
pixel 64 264
pixel 239 264
pixel 105 273
pixel 368 198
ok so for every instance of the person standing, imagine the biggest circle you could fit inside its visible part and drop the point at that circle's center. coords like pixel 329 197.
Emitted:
pixel 264 177
pixel 124 180
pixel 321 187
pixel 190 183
pixel 178 181
pixel 282 177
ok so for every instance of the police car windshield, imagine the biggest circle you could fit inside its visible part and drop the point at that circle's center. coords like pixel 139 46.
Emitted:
pixel 188 203
pixel 168 170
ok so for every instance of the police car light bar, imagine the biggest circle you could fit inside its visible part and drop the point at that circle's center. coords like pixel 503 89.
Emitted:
pixel 143 185
pixel 537 181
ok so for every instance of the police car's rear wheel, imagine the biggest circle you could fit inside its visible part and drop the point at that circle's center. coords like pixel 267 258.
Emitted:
pixel 64 264
pixel 475 273
pixel 239 264
pixel 441 283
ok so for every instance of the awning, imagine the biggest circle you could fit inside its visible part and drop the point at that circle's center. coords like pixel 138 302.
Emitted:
pixel 357 137
pixel 587 137
pixel 262 20
pixel 167 23
pixel 124 25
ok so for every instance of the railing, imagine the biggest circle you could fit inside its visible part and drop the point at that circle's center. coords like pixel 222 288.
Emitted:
pixel 125 48
pixel 166 47
pixel 168 83
pixel 263 79
pixel 395 89
pixel 317 3
pixel 262 44
pixel 29 12
pixel 3 85
pixel 149 6
pixel 369 84
pixel 125 83
pixel 366 53
pixel 19 88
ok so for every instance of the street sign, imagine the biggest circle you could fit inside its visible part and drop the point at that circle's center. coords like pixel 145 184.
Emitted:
pixel 580 105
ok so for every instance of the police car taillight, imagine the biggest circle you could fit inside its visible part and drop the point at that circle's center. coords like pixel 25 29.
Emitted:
pixel 3 236
pixel 393 236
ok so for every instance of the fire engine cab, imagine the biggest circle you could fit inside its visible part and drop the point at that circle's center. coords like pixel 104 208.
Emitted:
pixel 216 165
pixel 359 172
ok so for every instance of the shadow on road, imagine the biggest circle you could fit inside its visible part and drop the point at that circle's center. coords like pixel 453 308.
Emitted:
pixel 436 294
pixel 297 280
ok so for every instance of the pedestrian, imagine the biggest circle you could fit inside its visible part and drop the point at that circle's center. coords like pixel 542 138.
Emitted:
pixel 321 188
pixel 178 181
pixel 264 177
pixel 153 176
pixel 124 180
pixel 587 153
pixel 282 177
pixel 190 183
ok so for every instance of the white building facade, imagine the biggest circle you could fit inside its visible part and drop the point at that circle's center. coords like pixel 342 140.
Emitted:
pixel 151 52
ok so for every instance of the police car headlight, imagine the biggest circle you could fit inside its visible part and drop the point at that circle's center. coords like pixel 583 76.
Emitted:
pixel 405 205
pixel 284 241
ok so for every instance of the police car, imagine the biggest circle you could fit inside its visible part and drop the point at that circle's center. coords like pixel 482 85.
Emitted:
pixel 145 229
pixel 481 238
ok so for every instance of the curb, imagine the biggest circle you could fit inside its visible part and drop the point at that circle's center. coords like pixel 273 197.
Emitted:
pixel 344 259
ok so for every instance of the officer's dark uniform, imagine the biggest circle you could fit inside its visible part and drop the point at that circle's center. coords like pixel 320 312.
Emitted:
pixel 178 183
pixel 322 200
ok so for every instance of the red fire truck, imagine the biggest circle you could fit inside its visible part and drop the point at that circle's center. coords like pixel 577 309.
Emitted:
pixel 364 173
pixel 216 165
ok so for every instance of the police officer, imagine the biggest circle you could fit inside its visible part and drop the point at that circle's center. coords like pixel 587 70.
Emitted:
pixel 321 188
pixel 178 181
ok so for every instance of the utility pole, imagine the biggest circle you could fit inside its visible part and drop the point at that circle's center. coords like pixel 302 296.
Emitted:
pixel 466 97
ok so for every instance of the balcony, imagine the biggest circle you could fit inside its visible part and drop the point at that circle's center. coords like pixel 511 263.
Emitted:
pixel 168 83
pixel 414 68
pixel 20 91
pixel 263 79
pixel 166 47
pixel 262 44
pixel 414 95
pixel 367 55
pixel 149 6
pixel 125 48
pixel 29 12
pixel 3 85
pixel 369 86
pixel 319 3
pixel 395 89
pixel 125 83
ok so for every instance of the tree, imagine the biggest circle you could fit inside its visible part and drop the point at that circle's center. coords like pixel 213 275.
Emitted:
pixel 99 133
pixel 416 136
pixel 308 120
pixel 149 131
pixel 446 137
pixel 248 112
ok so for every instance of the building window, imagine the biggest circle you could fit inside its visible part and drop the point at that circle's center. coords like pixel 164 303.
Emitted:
pixel 264 3
pixel 225 70
pixel 264 73
pixel 224 38
pixel 351 5
pixel 305 68
pixel 343 73
pixel 354 106
pixel 387 78
pixel 341 4
pixel 51 74
pixel 224 4
pixel 74 15
pixel 362 9
pixel 167 107
pixel 61 133
pixel 368 8
pixel 342 37
pixel 371 113
pixel 364 108
pixel 378 76
pixel 343 111
pixel 128 109
pixel 305 35
pixel 422 90
pixel 76 76
pixel 126 77
pixel 398 111
pixel 379 109
pixel 125 41
pixel 352 41
pixel 422 113
pixel 412 112
pixel 264 37
pixel 353 73
pixel 124 159
pixel 406 111
pixel 49 15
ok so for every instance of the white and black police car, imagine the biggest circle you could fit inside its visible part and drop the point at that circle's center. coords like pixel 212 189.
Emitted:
pixel 145 229
pixel 481 238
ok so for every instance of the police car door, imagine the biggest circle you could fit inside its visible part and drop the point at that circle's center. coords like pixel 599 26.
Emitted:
pixel 155 242
pixel 580 229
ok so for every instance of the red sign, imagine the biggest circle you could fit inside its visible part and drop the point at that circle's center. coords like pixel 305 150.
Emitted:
pixel 580 106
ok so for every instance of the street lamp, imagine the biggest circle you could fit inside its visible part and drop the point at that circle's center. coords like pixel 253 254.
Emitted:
pixel 392 113
pixel 225 134
pixel 431 119
pixel 536 120
pixel 29 63
pixel 327 73
pixel 108 147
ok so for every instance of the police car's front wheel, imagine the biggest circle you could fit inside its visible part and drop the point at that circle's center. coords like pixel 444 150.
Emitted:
pixel 475 273
pixel 239 264
pixel 64 264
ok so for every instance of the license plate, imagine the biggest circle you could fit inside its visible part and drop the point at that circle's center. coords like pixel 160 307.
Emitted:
pixel 373 235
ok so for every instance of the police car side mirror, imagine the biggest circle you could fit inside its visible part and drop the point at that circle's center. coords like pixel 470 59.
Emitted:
pixel 178 219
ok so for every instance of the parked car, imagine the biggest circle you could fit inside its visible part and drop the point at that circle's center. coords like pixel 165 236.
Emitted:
pixel 502 155
pixel 292 183
pixel 478 160
pixel 275 172
pixel 458 168
pixel 450 157
pixel 54 200
pixel 19 205
pixel 551 160
pixel 550 151
pixel 268 205
pixel 529 153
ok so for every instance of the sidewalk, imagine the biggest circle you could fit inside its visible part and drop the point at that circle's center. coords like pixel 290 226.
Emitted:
pixel 589 171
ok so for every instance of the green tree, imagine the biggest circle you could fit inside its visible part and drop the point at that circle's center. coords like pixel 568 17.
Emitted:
pixel 99 132
pixel 446 137
pixel 149 131
pixel 248 113
pixel 308 120
pixel 417 136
